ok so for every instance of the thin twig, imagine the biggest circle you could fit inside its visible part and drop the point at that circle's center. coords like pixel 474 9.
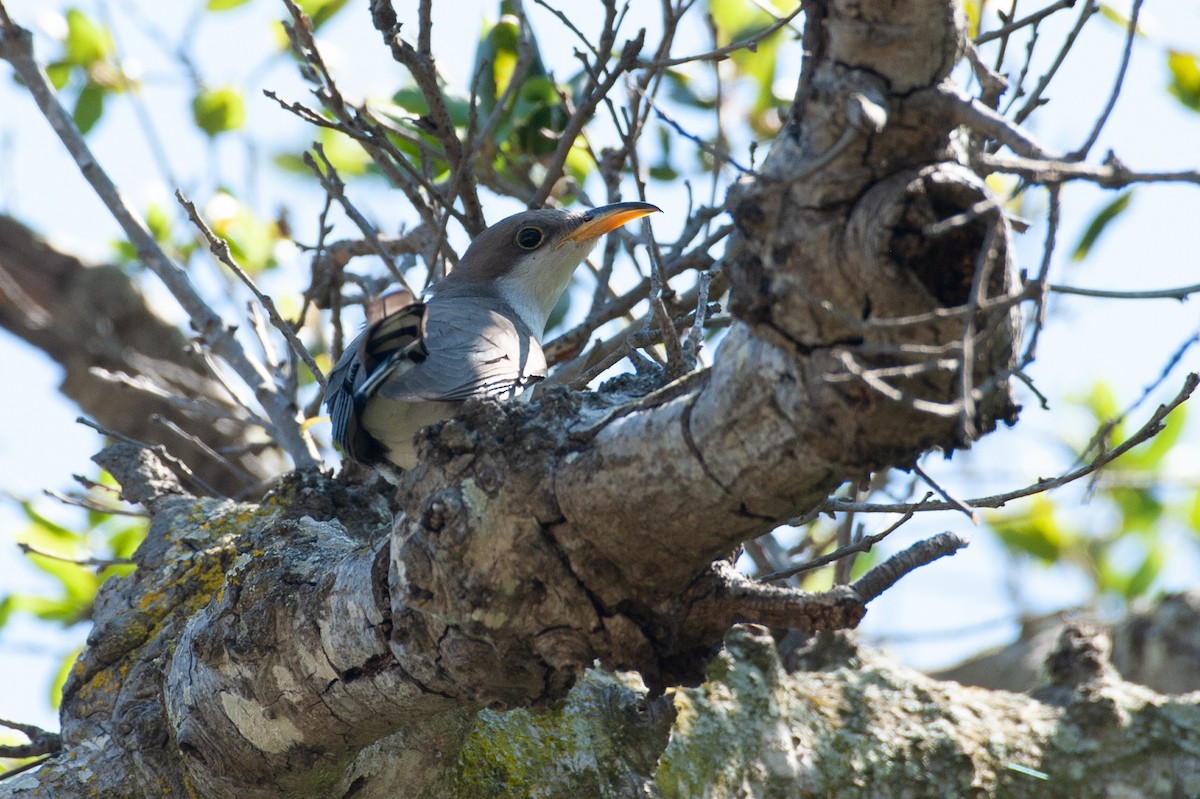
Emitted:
pixel 98 563
pixel 1180 293
pixel 957 503
pixel 882 577
pixel 1144 433
pixel 333 184
pixel 1130 33
pixel 181 468
pixel 1111 174
pixel 1035 97
pixel 863 544
pixel 1039 316
pixel 721 53
pixel 1032 19
pixel 16 47
pixel 91 505
pixel 220 248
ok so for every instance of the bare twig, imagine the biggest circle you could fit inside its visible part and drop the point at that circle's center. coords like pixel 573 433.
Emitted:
pixel 220 248
pixel 957 503
pixel 1181 293
pixel 419 62
pixel 1035 97
pixel 16 47
pixel 41 742
pixel 97 563
pixel 1039 316
pixel 180 468
pixel 1130 34
pixel 882 577
pixel 1144 433
pixel 1111 174
pixel 336 188
pixel 863 544
pixel 594 91
pixel 721 53
pixel 91 505
pixel 1024 22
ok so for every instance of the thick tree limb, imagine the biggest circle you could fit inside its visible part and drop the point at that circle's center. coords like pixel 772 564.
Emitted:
pixel 95 324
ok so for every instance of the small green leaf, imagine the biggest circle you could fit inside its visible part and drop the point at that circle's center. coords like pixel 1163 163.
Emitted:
pixel 664 172
pixel 1185 78
pixel 225 5
pixel 1037 533
pixel 87 42
pixel 1101 221
pixel 1143 577
pixel 159 222
pixel 220 110
pixel 346 154
pixel 1149 456
pixel 60 678
pixel 89 107
pixel 321 11
pixel 59 73
pixel 128 537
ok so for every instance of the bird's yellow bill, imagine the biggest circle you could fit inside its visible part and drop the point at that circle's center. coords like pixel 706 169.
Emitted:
pixel 607 218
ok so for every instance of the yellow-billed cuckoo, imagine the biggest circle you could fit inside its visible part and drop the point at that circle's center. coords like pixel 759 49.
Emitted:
pixel 478 335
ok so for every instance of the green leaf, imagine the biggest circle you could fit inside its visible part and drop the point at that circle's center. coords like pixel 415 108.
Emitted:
pixel 1036 533
pixel 45 532
pixel 87 42
pixel 60 677
pixel 320 11
pixel 159 223
pixel 346 154
pixel 251 240
pixel 59 73
pixel 680 90
pixel 1185 78
pixel 1140 509
pixel 225 5
pixel 89 106
pixel 1101 221
pixel 78 582
pixel 126 538
pixel 495 60
pixel 1131 584
pixel 58 610
pixel 220 110
pixel 1149 456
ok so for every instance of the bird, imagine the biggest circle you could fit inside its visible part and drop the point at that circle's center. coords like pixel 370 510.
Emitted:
pixel 478 334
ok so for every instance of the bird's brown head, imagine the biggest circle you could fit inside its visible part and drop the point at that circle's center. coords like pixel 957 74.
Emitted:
pixel 529 257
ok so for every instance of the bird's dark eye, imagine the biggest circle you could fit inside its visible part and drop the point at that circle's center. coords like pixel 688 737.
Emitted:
pixel 530 238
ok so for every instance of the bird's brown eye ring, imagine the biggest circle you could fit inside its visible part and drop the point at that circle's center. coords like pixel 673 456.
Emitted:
pixel 530 238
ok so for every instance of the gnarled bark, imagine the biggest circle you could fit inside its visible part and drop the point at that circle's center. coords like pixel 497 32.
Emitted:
pixel 292 647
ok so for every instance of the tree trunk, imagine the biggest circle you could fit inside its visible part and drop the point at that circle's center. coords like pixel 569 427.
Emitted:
pixel 331 641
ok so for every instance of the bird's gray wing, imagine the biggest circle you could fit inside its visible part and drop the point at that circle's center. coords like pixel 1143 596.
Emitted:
pixel 477 346
pixel 393 342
